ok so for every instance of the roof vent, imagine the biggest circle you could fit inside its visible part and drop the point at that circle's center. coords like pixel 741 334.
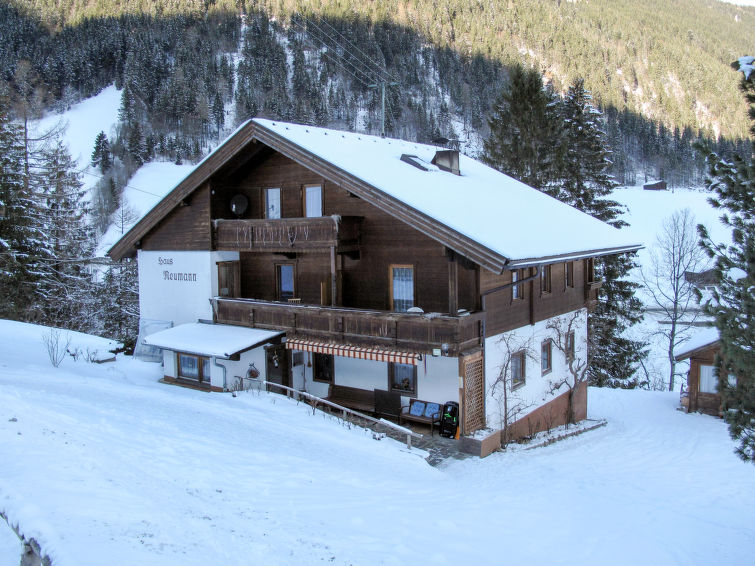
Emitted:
pixel 447 160
pixel 414 160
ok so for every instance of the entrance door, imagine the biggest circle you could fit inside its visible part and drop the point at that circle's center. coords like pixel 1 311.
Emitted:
pixel 277 367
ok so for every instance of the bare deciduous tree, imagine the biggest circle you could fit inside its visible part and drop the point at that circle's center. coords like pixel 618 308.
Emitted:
pixel 575 355
pixel 56 344
pixel 510 404
pixel 675 253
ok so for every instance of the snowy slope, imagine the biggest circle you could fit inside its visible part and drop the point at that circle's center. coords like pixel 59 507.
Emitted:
pixel 105 464
pixel 82 123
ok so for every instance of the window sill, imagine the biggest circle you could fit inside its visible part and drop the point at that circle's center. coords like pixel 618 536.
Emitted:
pixel 547 371
pixel 404 393
pixel 519 385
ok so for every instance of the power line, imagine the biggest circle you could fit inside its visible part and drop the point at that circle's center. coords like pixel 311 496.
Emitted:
pixel 132 187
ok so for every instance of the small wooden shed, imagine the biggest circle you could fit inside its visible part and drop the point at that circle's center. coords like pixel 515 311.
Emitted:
pixel 702 381
pixel 655 186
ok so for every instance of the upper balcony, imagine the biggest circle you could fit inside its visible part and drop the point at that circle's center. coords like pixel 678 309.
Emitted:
pixel 286 235
pixel 418 333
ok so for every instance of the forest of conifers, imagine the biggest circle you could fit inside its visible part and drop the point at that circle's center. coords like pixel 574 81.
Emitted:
pixel 658 69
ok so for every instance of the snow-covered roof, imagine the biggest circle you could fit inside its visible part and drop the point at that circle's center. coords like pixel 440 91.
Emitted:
pixel 701 338
pixel 486 216
pixel 506 216
pixel 219 340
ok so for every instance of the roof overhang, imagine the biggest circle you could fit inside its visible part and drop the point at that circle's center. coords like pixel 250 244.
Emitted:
pixel 531 262
pixel 214 340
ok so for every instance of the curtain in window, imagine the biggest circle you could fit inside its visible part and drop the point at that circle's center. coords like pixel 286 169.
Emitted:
pixel 273 203
pixel 403 288
pixel 313 201
pixel 188 366
pixel 708 380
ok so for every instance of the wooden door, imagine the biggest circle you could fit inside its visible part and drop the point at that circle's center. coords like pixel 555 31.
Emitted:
pixel 277 367
pixel 229 279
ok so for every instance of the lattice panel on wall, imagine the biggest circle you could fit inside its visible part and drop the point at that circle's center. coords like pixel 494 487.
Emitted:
pixel 474 394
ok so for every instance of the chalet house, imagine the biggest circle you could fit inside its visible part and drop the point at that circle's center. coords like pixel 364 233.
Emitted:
pixel 322 259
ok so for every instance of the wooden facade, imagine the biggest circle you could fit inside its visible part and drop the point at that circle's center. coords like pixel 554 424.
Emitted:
pixel 343 258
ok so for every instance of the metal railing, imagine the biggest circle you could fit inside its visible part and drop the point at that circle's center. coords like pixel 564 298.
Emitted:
pixel 314 401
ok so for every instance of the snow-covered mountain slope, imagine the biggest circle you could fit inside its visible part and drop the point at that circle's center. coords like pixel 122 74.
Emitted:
pixel 101 463
pixel 81 123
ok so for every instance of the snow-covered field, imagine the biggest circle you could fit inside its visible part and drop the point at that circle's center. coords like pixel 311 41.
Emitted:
pixel 102 464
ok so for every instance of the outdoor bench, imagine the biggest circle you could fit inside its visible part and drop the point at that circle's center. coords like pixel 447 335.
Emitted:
pixel 353 398
pixel 423 412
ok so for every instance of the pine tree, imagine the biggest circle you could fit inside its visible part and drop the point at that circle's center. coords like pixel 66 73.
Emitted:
pixel 733 301
pixel 524 131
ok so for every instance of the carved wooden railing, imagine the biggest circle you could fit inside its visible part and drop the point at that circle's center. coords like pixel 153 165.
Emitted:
pixel 287 234
pixel 420 333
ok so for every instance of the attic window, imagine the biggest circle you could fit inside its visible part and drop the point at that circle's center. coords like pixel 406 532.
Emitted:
pixel 415 161
pixel 447 160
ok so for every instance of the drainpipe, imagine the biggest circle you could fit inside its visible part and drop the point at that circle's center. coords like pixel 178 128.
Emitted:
pixel 225 371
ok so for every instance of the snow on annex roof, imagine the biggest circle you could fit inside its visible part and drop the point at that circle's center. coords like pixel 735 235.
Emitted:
pixel 219 340
pixel 701 338
pixel 508 217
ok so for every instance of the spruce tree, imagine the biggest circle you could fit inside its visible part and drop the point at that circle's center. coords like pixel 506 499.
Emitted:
pixel 63 288
pixel 733 302
pixel 524 131
pixel 584 183
pixel 17 235
pixel 101 156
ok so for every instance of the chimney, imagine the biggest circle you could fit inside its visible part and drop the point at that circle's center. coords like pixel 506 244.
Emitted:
pixel 447 160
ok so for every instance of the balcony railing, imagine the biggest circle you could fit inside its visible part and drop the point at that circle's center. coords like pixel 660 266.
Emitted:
pixel 288 234
pixel 420 333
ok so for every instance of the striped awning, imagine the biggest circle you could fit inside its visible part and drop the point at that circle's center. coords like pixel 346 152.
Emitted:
pixel 362 353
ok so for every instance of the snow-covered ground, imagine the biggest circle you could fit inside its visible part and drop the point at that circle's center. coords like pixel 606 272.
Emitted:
pixel 101 463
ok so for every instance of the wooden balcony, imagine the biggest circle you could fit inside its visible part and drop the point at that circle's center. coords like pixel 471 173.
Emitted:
pixel 288 234
pixel 418 333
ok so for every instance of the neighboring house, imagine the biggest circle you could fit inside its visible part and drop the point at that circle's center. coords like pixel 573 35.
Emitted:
pixel 655 186
pixel 349 260
pixel 702 381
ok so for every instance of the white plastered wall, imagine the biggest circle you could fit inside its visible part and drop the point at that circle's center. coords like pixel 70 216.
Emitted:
pixel 177 286
pixel 437 377
pixel 536 390
pixel 233 369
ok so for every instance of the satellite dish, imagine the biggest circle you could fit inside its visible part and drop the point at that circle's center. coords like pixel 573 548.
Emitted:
pixel 239 204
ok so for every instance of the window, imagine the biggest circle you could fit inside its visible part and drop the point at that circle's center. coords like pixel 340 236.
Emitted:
pixel 590 270
pixel 322 368
pixel 195 368
pixel 570 346
pixel 546 356
pixel 272 203
pixel 569 273
pixel 402 378
pixel 708 379
pixel 402 288
pixel 517 369
pixel 516 290
pixel 312 200
pixel 545 279
pixel 285 274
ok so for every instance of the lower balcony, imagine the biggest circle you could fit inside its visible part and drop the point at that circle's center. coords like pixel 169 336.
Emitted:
pixel 428 333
